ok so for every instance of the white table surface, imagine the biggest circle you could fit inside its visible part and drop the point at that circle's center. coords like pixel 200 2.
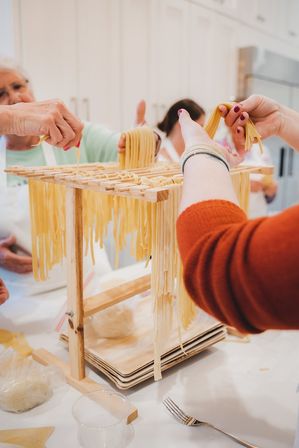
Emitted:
pixel 248 389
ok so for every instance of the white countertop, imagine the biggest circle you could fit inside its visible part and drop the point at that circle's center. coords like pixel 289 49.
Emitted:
pixel 248 389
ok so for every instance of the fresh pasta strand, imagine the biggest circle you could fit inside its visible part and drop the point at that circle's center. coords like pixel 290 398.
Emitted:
pixel 152 225
pixel 140 147
pixel 251 134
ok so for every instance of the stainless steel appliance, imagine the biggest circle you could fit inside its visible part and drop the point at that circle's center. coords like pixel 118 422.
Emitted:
pixel 275 76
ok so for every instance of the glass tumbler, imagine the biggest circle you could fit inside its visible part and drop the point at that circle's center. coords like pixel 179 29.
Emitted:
pixel 101 418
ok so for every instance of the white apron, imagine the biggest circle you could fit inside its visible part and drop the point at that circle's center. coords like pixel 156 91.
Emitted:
pixel 15 220
pixel 170 150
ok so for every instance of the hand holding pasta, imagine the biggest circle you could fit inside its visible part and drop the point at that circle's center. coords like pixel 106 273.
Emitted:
pixel 50 118
pixel 264 112
pixel 11 261
pixel 194 134
pixel 139 121
pixel 3 292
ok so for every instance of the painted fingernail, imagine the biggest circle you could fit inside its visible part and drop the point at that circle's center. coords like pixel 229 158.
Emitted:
pixel 78 144
pixel 238 131
pixel 66 148
pixel 242 117
pixel 236 109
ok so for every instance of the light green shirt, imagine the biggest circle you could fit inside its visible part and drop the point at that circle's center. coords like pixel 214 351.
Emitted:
pixel 98 144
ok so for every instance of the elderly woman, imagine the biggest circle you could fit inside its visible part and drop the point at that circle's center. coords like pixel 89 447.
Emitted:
pixel 39 118
pixel 98 144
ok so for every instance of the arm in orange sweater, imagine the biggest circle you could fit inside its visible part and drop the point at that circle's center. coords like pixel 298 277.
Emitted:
pixel 244 272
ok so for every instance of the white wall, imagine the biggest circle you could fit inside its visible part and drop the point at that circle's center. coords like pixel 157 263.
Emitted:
pixel 101 56
pixel 8 29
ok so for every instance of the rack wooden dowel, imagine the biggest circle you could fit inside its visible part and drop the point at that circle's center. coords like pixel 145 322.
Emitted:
pixel 157 185
pixel 75 313
pixel 115 295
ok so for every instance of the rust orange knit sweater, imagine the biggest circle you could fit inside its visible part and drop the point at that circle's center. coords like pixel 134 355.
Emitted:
pixel 243 272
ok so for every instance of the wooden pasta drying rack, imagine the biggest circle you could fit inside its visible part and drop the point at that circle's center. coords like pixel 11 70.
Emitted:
pixel 104 178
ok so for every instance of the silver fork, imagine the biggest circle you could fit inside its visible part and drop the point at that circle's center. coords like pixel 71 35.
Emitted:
pixel 180 415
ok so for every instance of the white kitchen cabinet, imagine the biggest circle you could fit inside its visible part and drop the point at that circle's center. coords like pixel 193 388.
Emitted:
pixel 200 55
pixel 290 16
pixel 9 41
pixel 136 69
pixel 226 7
pixel 223 75
pixel 262 14
pixel 170 39
pixel 98 56
pixel 76 59
pixel 48 42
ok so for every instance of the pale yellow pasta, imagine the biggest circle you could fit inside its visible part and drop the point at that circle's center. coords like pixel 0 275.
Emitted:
pixel 152 226
pixel 140 147
pixel 251 134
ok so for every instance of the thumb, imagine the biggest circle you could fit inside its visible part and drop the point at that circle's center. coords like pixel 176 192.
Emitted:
pixel 251 103
pixel 140 113
pixel 185 121
pixel 8 241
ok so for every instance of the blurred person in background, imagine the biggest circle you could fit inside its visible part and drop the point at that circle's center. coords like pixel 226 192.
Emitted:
pixel 172 145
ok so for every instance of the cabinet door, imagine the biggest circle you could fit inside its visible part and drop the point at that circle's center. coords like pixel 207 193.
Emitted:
pixel 229 7
pixel 261 14
pixel 200 56
pixel 8 29
pixel 136 69
pixel 170 51
pixel 98 61
pixel 291 9
pixel 48 39
pixel 223 74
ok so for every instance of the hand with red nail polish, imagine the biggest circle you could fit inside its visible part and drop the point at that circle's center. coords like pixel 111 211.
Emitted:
pixel 264 112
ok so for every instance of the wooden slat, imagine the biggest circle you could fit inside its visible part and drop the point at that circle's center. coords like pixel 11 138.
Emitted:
pixel 115 295
pixel 74 247
pixel 85 385
pixel 107 179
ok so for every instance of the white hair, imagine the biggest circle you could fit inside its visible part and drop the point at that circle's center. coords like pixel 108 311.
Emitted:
pixel 10 65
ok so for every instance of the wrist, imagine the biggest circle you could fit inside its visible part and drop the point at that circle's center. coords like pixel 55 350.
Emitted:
pixel 207 150
pixel 282 121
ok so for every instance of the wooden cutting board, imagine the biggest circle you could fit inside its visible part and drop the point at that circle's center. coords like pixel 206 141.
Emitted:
pixel 129 361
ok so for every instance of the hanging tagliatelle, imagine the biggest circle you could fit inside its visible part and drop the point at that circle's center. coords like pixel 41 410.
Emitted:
pixel 251 134
pixel 140 147
pixel 151 224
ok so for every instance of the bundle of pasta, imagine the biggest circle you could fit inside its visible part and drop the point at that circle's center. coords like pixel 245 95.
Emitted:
pixel 140 147
pixel 251 134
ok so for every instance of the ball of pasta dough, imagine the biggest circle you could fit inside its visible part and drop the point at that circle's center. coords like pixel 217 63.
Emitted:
pixel 24 394
pixel 116 321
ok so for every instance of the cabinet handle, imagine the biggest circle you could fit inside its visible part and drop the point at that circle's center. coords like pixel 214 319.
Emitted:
pixel 281 162
pixel 74 104
pixel 85 101
pixel 260 18
pixel 290 162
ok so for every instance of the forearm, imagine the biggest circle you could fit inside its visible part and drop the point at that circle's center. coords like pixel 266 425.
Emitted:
pixel 5 120
pixel 200 173
pixel 242 272
pixel 289 130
